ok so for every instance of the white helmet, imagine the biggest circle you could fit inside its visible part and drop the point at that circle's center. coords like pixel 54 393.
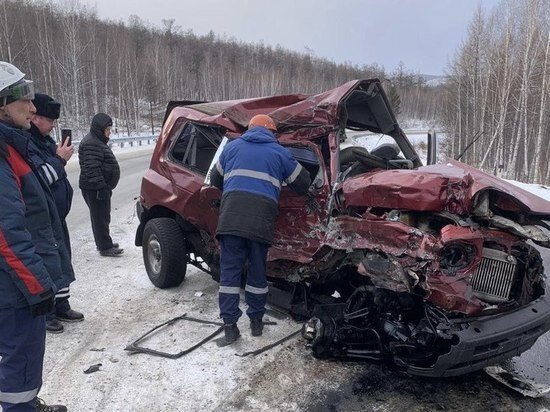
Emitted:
pixel 11 76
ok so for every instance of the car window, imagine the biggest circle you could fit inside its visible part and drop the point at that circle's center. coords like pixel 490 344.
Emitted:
pixel 361 152
pixel 215 159
pixel 196 146
pixel 369 141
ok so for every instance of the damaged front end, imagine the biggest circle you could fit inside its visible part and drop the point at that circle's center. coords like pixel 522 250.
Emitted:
pixel 438 293
pixel 378 324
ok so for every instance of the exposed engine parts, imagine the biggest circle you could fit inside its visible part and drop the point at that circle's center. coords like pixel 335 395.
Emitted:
pixel 409 331
pixel 378 324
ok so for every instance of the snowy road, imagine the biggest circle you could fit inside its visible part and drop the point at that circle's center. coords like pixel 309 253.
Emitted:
pixel 133 165
pixel 120 304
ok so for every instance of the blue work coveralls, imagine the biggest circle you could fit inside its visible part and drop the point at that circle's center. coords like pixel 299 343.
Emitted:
pixel 33 260
pixel 250 171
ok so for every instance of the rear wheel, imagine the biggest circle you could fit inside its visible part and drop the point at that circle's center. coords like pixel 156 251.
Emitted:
pixel 164 252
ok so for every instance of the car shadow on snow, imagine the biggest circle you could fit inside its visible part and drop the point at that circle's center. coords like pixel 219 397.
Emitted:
pixel 377 387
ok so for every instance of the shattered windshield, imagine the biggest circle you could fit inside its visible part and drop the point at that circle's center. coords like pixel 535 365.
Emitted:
pixel 363 151
pixel 368 140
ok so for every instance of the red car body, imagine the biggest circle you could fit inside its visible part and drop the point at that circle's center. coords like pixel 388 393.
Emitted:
pixel 411 247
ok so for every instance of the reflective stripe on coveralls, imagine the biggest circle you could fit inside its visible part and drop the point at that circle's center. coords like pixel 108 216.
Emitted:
pixel 236 290
pixel 236 251
pixel 18 397
pixel 255 175
pixel 232 290
pixel 257 291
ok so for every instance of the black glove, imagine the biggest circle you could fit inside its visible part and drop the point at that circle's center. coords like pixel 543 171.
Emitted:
pixel 44 306
pixel 102 194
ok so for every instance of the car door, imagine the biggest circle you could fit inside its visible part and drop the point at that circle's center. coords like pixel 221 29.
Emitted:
pixel 189 159
pixel 299 228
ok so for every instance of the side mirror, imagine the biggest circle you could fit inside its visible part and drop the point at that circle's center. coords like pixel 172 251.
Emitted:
pixel 432 148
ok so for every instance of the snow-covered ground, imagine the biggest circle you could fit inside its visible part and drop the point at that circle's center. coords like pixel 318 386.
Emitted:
pixel 120 304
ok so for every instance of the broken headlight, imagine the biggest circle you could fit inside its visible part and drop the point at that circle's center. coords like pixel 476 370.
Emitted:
pixel 456 257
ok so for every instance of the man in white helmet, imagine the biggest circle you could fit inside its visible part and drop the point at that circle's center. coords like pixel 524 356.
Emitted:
pixel 31 255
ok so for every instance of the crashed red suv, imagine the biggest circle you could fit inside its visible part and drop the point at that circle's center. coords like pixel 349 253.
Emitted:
pixel 431 267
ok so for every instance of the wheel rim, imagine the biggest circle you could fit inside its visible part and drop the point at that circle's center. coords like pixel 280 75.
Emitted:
pixel 154 254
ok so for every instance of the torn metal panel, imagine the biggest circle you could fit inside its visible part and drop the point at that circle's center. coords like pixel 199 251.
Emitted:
pixel 351 233
pixel 452 187
pixel 387 273
pixel 525 231
pixel 407 190
pixel 517 382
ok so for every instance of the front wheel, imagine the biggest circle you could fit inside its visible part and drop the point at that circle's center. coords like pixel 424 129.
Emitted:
pixel 164 252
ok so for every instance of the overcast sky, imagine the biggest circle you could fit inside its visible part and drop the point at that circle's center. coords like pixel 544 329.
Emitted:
pixel 424 34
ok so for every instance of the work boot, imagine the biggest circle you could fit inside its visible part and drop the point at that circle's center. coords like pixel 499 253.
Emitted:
pixel 42 407
pixel 115 245
pixel 256 326
pixel 112 252
pixel 231 333
pixel 54 326
pixel 70 316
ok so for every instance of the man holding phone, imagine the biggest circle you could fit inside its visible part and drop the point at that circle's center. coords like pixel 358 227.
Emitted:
pixel 50 160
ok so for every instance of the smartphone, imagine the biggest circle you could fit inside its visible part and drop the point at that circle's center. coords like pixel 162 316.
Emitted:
pixel 66 134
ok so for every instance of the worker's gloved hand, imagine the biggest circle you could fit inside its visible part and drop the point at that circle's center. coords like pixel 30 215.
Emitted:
pixel 45 306
pixel 102 194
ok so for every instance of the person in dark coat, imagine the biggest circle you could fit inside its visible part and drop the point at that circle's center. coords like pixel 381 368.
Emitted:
pixel 33 257
pixel 250 172
pixel 50 160
pixel 99 175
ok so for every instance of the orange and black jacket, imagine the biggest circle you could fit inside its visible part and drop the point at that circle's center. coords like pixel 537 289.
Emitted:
pixel 32 260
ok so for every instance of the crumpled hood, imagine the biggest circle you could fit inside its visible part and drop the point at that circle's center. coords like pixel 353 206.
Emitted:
pixel 453 187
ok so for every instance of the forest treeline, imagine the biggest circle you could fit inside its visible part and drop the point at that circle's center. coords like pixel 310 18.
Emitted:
pixel 497 108
pixel 132 69
pixel 493 107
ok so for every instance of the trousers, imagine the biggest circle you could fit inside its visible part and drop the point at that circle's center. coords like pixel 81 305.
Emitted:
pixel 236 252
pixel 100 215
pixel 22 345
pixel 62 296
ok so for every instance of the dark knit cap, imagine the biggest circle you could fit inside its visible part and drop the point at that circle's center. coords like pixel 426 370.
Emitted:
pixel 46 106
pixel 101 121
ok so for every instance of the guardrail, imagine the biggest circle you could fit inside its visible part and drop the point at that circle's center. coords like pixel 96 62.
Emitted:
pixel 121 141
pixel 406 131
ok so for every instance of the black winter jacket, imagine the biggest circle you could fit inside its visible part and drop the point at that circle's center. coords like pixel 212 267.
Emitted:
pixel 42 151
pixel 98 165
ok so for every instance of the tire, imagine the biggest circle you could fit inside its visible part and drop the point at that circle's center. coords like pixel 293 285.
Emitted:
pixel 164 252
